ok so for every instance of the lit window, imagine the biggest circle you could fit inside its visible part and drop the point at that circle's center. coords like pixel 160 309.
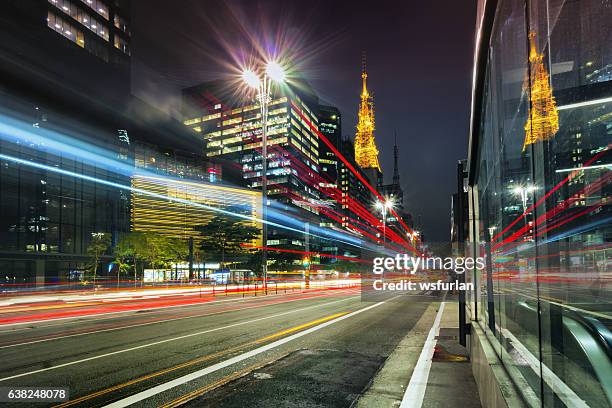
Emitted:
pixel 57 24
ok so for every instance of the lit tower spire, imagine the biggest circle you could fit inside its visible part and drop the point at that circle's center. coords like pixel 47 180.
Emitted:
pixel 543 120
pixel 396 179
pixel 366 153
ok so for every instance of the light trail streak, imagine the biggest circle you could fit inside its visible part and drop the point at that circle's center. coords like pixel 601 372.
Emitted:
pixel 356 207
pixel 175 199
pixel 15 131
pixel 550 192
pixel 564 205
pixel 295 251
pixel 351 168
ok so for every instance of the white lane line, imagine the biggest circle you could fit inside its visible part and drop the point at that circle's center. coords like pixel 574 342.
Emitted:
pixel 144 324
pixel 415 392
pixel 5 328
pixel 155 343
pixel 215 367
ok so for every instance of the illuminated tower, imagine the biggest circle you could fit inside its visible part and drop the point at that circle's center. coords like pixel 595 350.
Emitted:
pixel 543 120
pixel 366 153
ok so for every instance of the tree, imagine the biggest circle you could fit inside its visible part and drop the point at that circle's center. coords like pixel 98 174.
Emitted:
pixel 286 261
pixel 223 237
pixel 131 246
pixel 99 244
pixel 156 250
pixel 255 263
pixel 167 250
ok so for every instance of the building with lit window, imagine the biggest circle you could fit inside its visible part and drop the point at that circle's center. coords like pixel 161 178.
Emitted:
pixel 73 137
pixel 330 125
pixel 231 130
pixel 539 203
pixel 78 47
pixel 100 27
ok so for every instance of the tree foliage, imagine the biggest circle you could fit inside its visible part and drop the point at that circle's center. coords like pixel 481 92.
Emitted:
pixel 155 250
pixel 255 263
pixel 223 237
pixel 98 245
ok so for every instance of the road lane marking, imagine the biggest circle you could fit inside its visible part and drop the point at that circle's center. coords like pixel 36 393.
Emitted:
pixel 415 392
pixel 196 361
pixel 167 341
pixel 218 366
pixel 209 387
pixel 142 324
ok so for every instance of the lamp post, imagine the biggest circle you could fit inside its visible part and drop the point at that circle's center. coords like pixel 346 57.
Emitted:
pixel 384 207
pixel 522 192
pixel 413 236
pixel 273 72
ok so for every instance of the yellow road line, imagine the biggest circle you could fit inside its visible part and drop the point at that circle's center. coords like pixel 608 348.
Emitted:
pixel 209 387
pixel 196 361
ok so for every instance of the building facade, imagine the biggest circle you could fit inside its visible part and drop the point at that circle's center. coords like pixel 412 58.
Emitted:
pixel 231 130
pixel 59 67
pixel 73 136
pixel 539 190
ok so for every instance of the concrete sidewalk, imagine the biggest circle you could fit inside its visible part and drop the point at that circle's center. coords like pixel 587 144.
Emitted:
pixel 449 380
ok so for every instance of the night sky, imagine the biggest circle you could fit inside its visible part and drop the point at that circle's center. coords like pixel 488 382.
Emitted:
pixel 419 57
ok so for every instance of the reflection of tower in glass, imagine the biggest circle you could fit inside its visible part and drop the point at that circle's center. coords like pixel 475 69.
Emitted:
pixel 543 120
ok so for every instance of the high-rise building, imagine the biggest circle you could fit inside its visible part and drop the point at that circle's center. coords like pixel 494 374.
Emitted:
pixel 231 129
pixel 354 193
pixel 338 185
pixel 232 133
pixel 330 125
pixel 60 76
pixel 68 46
pixel 73 136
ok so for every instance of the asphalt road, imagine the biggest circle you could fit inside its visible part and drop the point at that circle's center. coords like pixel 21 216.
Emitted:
pixel 310 349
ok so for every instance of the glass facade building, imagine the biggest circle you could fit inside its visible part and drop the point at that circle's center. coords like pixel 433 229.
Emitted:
pixel 539 196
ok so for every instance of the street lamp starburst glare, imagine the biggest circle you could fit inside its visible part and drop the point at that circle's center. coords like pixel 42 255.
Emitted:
pixel 250 78
pixel 275 71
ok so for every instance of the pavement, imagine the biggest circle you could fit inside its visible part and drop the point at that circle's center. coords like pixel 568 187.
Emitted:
pixel 412 377
pixel 450 382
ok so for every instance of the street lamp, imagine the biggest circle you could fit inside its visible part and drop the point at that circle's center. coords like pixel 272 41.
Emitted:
pixel 273 72
pixel 523 191
pixel 384 207
pixel 413 236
